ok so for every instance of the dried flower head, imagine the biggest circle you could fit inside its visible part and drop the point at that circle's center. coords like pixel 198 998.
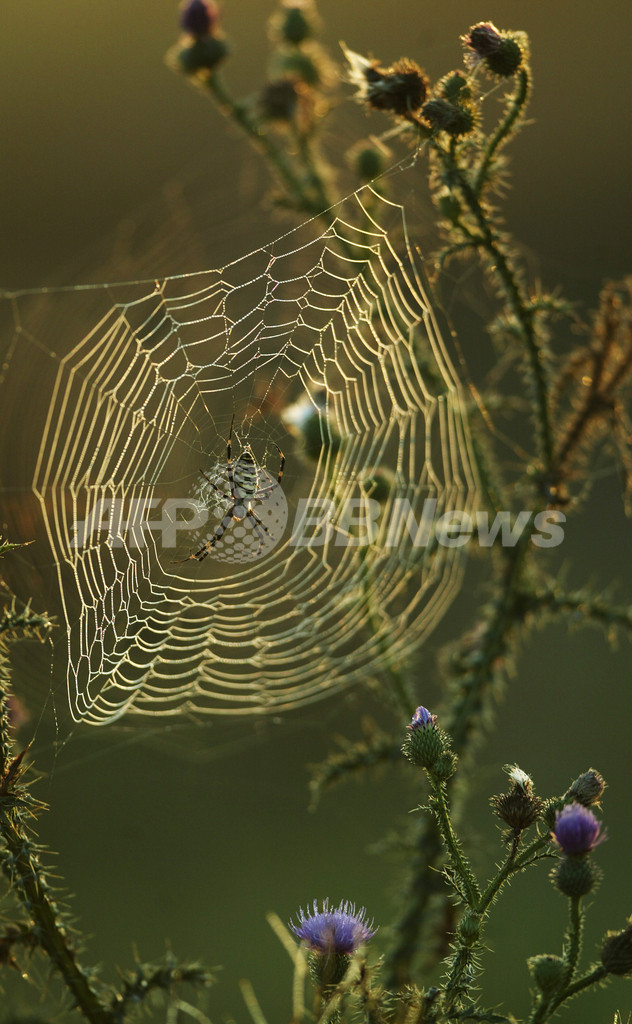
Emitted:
pixel 520 779
pixel 199 17
pixel 577 830
pixel 327 931
pixel 519 808
pixel 587 789
pixel 400 89
pixel 481 41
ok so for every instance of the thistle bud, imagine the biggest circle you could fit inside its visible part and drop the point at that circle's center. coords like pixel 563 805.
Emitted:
pixel 428 746
pixel 500 52
pixel 295 24
pixel 199 17
pixel 616 951
pixel 470 928
pixel 444 116
pixel 587 789
pixel 454 87
pixel 547 972
pixel 204 54
pixel 307 65
pixel 367 161
pixel 278 100
pixel 575 876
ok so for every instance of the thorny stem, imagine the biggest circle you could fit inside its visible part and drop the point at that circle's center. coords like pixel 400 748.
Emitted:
pixel 599 611
pixel 522 309
pixel 459 861
pixel 20 865
pixel 504 129
pixel 475 695
pixel 546 1005
pixel 592 977
pixel 513 864
pixel 25 874
pixel 574 937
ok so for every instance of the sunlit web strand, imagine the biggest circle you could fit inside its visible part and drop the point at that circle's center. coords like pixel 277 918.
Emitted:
pixel 137 385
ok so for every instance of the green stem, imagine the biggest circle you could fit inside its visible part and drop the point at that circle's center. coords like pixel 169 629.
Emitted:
pixel 574 938
pixel 503 132
pixel 512 865
pixel 522 309
pixel 592 977
pixel 460 863
pixel 469 705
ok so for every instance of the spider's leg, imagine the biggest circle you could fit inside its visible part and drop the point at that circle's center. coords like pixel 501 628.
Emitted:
pixel 258 526
pixel 282 466
pixel 258 521
pixel 209 545
pixel 229 462
pixel 263 492
pixel 214 486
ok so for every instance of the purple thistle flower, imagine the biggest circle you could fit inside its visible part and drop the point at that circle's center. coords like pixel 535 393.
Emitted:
pixel 421 718
pixel 577 829
pixel 334 931
pixel 198 17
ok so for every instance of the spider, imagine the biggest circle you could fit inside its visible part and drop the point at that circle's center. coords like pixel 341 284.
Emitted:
pixel 243 480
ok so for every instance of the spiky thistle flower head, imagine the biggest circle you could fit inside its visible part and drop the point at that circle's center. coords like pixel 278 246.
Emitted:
pixel 331 931
pixel 577 830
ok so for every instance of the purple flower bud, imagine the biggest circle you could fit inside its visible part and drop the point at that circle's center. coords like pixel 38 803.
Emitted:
pixel 328 931
pixel 199 17
pixel 421 718
pixel 577 829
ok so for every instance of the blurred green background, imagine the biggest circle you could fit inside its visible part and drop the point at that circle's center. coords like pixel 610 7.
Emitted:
pixel 113 168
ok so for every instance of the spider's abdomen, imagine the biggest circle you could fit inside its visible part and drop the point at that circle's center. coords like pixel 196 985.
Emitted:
pixel 246 475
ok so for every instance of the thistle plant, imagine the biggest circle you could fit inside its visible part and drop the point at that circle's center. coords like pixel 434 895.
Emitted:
pixel 450 133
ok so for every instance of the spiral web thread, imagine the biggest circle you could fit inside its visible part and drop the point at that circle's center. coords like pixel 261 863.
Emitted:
pixel 131 390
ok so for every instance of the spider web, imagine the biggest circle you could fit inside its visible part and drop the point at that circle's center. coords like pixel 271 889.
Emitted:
pixel 117 404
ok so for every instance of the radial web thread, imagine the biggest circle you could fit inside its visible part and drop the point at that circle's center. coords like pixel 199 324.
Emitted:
pixel 132 389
